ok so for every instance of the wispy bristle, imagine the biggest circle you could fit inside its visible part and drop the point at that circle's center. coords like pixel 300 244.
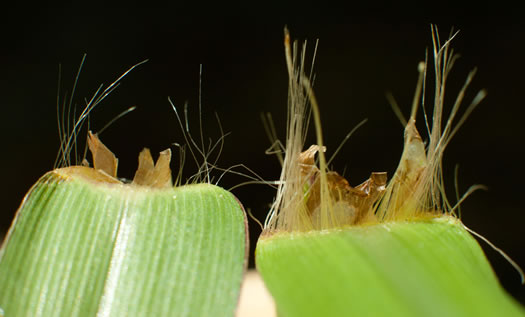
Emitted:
pixel 312 197
pixel 69 125
pixel 290 192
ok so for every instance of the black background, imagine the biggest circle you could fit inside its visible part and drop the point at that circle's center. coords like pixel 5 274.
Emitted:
pixel 362 54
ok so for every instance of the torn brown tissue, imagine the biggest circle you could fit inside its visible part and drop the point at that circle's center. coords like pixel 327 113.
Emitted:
pixel 307 160
pixel 162 171
pixel 407 177
pixel 350 205
pixel 413 162
pixel 413 158
pixel 146 165
pixel 103 159
pixel 156 175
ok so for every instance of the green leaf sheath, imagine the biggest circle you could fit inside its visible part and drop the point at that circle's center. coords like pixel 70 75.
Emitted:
pixel 79 248
pixel 424 268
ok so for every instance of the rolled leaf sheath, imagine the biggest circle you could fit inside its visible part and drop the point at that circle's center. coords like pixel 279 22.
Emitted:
pixel 81 246
pixel 416 268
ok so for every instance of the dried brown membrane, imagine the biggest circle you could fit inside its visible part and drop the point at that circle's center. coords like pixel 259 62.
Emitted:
pixel 105 164
pixel 313 198
pixel 349 205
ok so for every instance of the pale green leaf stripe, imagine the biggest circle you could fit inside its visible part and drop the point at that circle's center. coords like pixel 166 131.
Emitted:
pixel 432 268
pixel 79 249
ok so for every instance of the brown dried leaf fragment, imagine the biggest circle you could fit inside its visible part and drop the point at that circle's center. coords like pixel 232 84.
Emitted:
pixel 148 173
pixel 153 175
pixel 348 205
pixel 407 192
pixel 162 171
pixel 103 159
pixel 146 165
pixel 306 160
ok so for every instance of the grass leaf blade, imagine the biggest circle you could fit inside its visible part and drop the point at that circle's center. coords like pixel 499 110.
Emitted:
pixel 84 248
